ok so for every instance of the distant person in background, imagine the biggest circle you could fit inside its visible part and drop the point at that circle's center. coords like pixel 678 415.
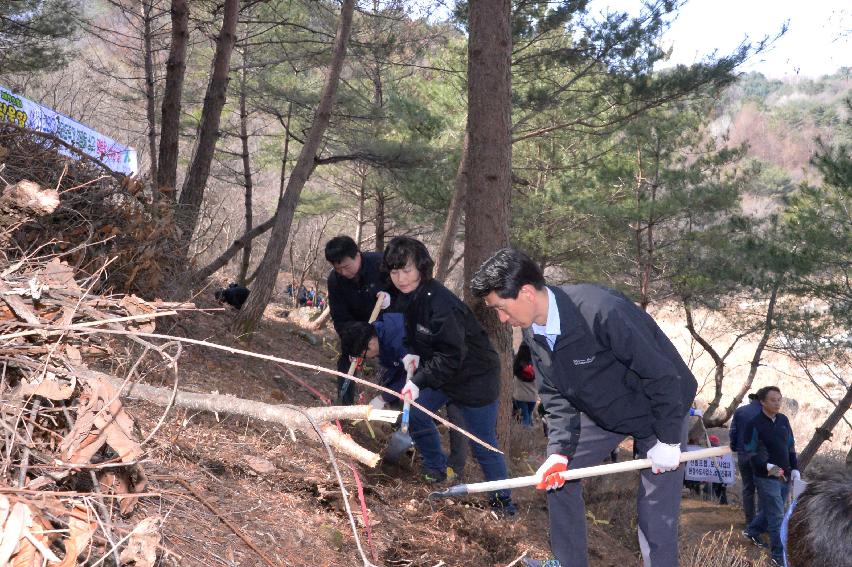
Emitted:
pixel 770 443
pixel 353 285
pixel 819 532
pixel 524 392
pixel 742 416
pixel 234 295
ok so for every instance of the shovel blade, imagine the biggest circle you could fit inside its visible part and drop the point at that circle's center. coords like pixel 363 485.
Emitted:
pixel 399 443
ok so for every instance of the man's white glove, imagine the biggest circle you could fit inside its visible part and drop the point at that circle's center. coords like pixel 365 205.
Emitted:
pixel 410 362
pixel 378 402
pixel 664 457
pixel 774 470
pixel 410 389
pixel 548 473
pixel 385 297
pixel 795 476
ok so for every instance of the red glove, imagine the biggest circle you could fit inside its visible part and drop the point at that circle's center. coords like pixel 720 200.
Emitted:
pixel 548 473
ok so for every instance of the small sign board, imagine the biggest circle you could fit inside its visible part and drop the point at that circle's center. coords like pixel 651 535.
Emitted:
pixel 715 469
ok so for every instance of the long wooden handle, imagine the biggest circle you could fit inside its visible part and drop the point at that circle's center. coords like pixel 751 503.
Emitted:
pixel 373 316
pixel 585 472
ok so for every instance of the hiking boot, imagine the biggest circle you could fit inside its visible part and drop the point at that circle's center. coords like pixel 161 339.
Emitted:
pixel 503 505
pixel 433 477
pixel 755 540
pixel 541 563
pixel 453 477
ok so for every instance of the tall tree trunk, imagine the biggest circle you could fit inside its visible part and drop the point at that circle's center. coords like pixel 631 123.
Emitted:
pixel 170 122
pixel 282 183
pixel 192 193
pixel 150 92
pixel 380 218
pixel 247 181
pixel 362 202
pixel 490 168
pixel 267 272
pixel 451 227
pixel 823 433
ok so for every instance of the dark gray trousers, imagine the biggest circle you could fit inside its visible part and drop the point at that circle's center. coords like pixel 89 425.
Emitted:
pixel 658 502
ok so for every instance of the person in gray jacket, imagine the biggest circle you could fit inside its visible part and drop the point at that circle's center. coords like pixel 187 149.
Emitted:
pixel 606 372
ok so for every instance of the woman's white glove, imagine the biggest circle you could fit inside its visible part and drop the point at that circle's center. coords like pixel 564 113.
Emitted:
pixel 410 362
pixel 385 297
pixel 664 457
pixel 410 390
pixel 378 402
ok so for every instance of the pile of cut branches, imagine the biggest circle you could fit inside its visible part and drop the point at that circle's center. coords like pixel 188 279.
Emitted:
pixel 68 448
pixel 100 215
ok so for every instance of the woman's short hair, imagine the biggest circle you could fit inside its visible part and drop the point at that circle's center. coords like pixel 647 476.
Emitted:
pixel 505 273
pixel 820 531
pixel 355 336
pixel 401 249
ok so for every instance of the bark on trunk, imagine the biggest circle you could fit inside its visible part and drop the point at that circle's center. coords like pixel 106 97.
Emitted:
pixel 192 193
pixel 380 219
pixel 451 227
pixel 170 122
pixel 150 93
pixel 490 168
pixel 823 433
pixel 247 180
pixel 267 273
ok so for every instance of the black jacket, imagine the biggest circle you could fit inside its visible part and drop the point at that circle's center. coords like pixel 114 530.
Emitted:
pixel 353 300
pixel 613 363
pixel 768 441
pixel 456 356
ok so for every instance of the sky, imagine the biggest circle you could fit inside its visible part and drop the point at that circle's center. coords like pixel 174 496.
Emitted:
pixel 818 41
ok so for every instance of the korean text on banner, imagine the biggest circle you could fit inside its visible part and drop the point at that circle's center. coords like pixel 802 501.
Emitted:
pixel 715 469
pixel 28 114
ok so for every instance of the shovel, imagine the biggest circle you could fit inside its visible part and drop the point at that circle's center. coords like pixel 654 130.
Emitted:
pixel 574 474
pixel 399 443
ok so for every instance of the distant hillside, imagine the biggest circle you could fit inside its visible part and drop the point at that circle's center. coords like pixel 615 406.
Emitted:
pixel 780 121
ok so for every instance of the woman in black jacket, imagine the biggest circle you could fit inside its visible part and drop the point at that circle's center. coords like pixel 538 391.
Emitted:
pixel 456 363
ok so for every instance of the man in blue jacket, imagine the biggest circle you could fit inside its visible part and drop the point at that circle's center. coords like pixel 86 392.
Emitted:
pixel 769 441
pixel 742 416
pixel 606 371
pixel 353 285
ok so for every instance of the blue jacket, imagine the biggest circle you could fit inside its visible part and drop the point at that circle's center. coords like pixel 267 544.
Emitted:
pixel 742 416
pixel 770 441
pixel 612 362
pixel 390 328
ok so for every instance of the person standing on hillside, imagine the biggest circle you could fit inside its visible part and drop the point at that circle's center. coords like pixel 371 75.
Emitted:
pixel 770 443
pixel 353 286
pixel 451 360
pixel 742 416
pixel 606 372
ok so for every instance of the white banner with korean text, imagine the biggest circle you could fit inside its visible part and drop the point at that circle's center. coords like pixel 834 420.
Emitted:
pixel 715 469
pixel 28 114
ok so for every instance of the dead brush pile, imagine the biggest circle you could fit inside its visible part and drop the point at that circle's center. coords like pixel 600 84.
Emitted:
pixel 68 448
pixel 101 218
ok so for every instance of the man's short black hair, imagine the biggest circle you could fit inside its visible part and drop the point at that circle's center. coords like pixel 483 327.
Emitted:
pixel 401 249
pixel 763 392
pixel 505 273
pixel 339 248
pixel 820 528
pixel 355 336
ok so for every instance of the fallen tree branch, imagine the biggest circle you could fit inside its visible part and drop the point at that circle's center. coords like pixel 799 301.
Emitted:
pixel 288 416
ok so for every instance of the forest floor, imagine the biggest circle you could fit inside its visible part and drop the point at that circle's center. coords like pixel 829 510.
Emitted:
pixel 282 494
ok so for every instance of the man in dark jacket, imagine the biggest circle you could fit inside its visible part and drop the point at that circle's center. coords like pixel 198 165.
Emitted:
pixel 353 285
pixel 606 372
pixel 742 416
pixel 769 441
